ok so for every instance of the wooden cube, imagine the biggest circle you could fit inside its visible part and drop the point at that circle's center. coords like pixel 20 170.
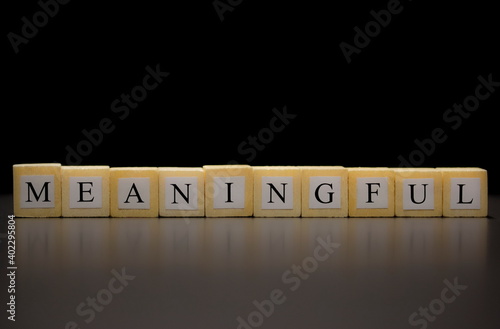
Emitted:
pixel 419 192
pixel 182 192
pixel 134 192
pixel 228 190
pixel 371 192
pixel 465 192
pixel 37 190
pixel 277 191
pixel 85 191
pixel 324 191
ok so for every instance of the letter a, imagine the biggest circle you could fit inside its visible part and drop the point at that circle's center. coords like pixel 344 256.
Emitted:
pixel 348 50
pixel 137 195
pixel 16 40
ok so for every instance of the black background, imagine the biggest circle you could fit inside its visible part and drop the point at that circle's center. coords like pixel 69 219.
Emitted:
pixel 226 77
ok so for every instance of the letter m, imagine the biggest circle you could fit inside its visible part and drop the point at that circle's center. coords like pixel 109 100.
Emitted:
pixel 44 189
pixel 37 191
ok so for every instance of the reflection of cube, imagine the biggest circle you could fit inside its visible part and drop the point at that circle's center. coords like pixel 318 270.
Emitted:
pixel 37 190
pixel 228 191
pixel 181 192
pixel 277 191
pixel 371 192
pixel 324 191
pixel 134 192
pixel 85 191
pixel 418 192
pixel 465 192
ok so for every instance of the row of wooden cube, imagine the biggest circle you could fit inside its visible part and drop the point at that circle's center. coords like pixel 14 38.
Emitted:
pixel 52 190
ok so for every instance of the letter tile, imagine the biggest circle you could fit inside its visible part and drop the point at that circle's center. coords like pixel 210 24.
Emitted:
pixel 277 191
pixel 37 190
pixel 465 192
pixel 418 192
pixel 85 191
pixel 324 191
pixel 182 192
pixel 371 192
pixel 134 192
pixel 228 191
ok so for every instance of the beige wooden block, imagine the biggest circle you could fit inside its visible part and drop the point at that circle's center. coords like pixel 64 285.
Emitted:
pixel 465 192
pixel 182 192
pixel 324 191
pixel 37 190
pixel 419 192
pixel 228 190
pixel 371 192
pixel 134 192
pixel 85 191
pixel 277 191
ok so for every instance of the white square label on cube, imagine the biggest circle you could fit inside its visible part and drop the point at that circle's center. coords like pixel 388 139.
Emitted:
pixel 37 191
pixel 133 193
pixel 324 192
pixel 372 193
pixel 229 192
pixel 181 193
pixel 465 193
pixel 85 192
pixel 418 194
pixel 277 192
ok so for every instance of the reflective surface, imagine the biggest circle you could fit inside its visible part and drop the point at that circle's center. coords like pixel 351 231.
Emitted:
pixel 258 272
